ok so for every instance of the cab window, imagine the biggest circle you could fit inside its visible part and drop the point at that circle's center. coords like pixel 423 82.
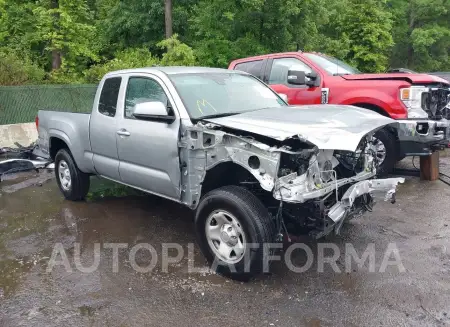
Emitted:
pixel 107 104
pixel 251 67
pixel 281 66
pixel 142 89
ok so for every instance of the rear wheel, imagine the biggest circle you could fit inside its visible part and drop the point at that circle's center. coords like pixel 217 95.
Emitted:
pixel 73 183
pixel 227 221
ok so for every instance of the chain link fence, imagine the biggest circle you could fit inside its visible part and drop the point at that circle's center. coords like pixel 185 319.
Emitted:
pixel 20 104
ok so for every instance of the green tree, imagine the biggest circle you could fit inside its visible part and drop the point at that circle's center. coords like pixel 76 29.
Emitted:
pixel 18 28
pixel 365 29
pixel 223 30
pixel 421 34
pixel 72 39
pixel 177 53
pixel 124 59
pixel 16 69
pixel 66 27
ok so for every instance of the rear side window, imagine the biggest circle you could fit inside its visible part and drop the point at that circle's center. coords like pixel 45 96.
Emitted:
pixel 108 98
pixel 251 67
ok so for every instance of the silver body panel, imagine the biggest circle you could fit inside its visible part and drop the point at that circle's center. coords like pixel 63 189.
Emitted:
pixel 329 127
pixel 73 129
pixel 148 153
pixel 172 159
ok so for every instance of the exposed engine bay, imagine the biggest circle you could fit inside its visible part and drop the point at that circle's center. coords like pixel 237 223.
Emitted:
pixel 306 189
pixel 435 102
pixel 331 186
pixel 429 101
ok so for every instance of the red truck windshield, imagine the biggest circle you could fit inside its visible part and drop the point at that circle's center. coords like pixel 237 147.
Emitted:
pixel 332 65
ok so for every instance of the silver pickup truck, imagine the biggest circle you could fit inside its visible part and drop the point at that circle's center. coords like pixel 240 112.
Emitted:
pixel 224 144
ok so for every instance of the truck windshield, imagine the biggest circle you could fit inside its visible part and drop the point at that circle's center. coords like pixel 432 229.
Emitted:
pixel 332 65
pixel 207 95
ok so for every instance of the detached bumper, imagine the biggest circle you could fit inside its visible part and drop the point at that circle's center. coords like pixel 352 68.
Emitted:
pixel 358 199
pixel 10 166
pixel 420 137
pixel 377 188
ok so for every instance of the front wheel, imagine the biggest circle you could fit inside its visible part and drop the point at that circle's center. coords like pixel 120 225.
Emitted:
pixel 232 226
pixel 385 147
pixel 73 183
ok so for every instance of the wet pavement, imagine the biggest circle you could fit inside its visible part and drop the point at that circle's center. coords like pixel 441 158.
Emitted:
pixel 34 217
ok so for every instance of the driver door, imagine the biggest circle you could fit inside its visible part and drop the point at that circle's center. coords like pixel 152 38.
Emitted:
pixel 148 149
pixel 296 94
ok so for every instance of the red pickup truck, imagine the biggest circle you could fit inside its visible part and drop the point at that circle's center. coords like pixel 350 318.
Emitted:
pixel 419 102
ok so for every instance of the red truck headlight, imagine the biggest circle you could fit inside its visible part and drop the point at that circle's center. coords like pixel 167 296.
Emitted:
pixel 412 99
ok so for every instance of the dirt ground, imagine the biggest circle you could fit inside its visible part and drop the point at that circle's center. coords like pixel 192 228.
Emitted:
pixel 34 217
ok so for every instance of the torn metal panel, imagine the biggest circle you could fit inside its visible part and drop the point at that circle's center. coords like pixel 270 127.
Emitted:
pixel 201 149
pixel 10 166
pixel 320 177
pixel 385 188
pixel 300 189
pixel 37 164
pixel 329 127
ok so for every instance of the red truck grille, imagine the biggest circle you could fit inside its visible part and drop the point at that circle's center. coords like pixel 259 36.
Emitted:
pixel 436 102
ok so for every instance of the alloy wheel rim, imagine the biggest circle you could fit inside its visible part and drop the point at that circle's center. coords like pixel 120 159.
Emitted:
pixel 225 236
pixel 64 175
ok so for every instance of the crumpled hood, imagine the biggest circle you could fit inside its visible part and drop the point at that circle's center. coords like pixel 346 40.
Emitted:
pixel 329 127
pixel 411 78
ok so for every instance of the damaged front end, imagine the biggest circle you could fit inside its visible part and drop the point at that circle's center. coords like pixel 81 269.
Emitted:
pixel 306 189
pixel 428 125
pixel 330 187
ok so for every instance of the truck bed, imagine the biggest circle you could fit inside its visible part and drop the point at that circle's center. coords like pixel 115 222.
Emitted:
pixel 73 128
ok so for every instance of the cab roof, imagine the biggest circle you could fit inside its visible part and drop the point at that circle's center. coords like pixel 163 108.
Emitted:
pixel 173 70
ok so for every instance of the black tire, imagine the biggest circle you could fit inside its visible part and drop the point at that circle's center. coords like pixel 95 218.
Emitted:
pixel 80 182
pixel 390 144
pixel 256 223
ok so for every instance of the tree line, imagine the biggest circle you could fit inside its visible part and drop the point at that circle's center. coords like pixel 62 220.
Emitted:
pixel 77 41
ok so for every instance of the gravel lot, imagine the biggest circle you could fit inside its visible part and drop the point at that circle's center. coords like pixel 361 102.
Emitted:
pixel 34 217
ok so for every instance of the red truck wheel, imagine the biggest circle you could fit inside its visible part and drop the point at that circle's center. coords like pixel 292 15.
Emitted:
pixel 385 145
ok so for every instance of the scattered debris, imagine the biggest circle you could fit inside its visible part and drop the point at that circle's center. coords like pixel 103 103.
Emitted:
pixel 20 152
pixel 14 160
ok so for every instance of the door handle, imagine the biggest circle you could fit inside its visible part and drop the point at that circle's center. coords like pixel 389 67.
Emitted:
pixel 123 132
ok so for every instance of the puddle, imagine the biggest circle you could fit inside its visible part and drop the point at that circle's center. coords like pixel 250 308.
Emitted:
pixel 33 219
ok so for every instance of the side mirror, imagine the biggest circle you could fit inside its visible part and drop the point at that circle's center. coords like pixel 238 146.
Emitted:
pixel 313 79
pixel 296 77
pixel 152 110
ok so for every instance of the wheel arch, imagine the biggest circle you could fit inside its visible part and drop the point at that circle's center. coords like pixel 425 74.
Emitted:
pixel 56 144
pixel 228 173
pixel 372 107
